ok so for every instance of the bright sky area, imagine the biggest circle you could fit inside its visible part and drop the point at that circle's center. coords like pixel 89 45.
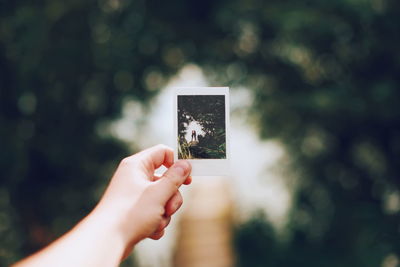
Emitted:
pixel 193 125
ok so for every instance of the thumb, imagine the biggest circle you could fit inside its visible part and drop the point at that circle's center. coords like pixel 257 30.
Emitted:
pixel 172 179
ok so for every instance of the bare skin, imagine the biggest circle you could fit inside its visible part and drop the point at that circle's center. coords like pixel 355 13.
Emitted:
pixel 136 205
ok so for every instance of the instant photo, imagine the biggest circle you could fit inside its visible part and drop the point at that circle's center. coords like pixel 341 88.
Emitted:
pixel 202 115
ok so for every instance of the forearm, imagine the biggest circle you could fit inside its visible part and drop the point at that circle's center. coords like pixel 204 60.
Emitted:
pixel 95 241
pixel 136 205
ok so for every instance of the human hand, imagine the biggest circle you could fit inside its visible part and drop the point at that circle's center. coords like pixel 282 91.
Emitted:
pixel 136 205
pixel 139 204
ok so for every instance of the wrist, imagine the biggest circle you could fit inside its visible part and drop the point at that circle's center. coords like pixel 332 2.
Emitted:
pixel 106 228
pixel 112 219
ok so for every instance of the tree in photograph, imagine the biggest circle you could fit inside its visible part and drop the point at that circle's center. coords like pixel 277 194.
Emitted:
pixel 209 112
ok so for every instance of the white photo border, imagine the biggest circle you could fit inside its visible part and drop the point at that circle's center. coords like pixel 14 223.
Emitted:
pixel 205 167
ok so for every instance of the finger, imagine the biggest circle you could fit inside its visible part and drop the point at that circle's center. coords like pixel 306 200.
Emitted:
pixel 188 180
pixel 157 235
pixel 164 223
pixel 178 173
pixel 173 204
pixel 172 179
pixel 153 157
pixel 159 155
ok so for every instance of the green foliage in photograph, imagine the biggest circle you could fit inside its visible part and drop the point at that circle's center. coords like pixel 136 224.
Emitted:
pixel 184 149
pixel 209 112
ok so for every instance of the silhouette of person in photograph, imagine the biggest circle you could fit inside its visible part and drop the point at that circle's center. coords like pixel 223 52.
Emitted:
pixel 194 135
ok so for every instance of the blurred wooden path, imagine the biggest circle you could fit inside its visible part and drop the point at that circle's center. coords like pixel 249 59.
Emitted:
pixel 205 237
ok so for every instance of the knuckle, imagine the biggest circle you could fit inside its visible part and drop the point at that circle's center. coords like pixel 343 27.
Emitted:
pixel 161 146
pixel 130 161
pixel 126 161
pixel 160 211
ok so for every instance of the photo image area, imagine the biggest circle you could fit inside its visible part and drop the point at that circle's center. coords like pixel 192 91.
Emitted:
pixel 201 127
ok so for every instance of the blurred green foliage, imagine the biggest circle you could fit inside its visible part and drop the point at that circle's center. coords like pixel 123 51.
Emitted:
pixel 325 76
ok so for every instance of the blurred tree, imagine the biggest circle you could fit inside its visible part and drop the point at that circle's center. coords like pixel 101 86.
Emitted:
pixel 66 68
pixel 325 76
pixel 256 242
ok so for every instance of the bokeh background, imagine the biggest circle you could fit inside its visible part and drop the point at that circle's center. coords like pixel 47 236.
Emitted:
pixel 315 123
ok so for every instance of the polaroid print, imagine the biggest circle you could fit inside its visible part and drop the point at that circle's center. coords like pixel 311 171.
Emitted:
pixel 201 127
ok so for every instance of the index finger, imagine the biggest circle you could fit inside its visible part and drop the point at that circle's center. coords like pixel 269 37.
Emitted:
pixel 155 156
